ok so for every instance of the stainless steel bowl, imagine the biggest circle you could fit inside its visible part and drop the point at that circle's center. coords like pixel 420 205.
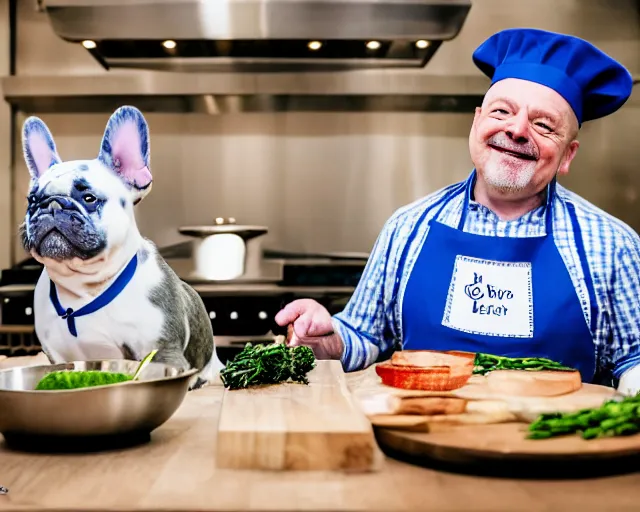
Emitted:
pixel 113 410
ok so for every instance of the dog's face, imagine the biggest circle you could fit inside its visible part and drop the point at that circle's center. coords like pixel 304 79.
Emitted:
pixel 79 209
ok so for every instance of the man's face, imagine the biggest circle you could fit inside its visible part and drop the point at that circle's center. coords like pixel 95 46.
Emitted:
pixel 522 136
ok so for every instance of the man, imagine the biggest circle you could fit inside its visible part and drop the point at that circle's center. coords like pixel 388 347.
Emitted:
pixel 507 262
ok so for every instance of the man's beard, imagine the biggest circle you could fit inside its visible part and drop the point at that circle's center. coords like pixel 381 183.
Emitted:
pixel 506 180
pixel 508 173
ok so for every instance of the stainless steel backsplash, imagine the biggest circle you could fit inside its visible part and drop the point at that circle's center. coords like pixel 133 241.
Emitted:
pixel 327 182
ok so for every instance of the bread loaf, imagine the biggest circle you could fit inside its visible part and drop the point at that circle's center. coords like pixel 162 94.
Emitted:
pixel 534 383
pixel 427 406
pixel 428 358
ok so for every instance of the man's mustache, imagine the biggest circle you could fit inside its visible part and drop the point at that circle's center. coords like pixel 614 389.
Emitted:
pixel 501 141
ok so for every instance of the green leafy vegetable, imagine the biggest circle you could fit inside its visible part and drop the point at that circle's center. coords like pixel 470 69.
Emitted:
pixel 485 363
pixel 74 379
pixel 268 364
pixel 613 418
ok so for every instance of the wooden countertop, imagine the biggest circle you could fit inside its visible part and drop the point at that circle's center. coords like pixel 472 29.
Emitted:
pixel 177 471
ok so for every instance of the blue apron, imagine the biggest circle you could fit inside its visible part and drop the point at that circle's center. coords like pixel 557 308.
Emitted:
pixel 498 295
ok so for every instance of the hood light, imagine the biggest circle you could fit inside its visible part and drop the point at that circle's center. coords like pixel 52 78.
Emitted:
pixel 373 45
pixel 88 44
pixel 314 45
pixel 422 44
pixel 169 44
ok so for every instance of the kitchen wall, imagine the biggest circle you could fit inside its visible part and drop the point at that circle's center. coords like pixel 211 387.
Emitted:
pixel 327 182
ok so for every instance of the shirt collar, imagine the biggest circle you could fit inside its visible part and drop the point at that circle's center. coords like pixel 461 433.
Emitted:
pixel 549 193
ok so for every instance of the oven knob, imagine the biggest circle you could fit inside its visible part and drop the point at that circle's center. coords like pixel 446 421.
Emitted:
pixel 233 315
pixel 262 315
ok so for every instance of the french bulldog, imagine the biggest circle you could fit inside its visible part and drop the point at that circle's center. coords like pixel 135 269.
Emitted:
pixel 105 292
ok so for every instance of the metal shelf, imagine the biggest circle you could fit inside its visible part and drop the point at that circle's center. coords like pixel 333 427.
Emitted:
pixel 220 93
pixel 240 289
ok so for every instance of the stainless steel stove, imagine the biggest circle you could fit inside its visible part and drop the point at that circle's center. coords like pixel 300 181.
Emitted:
pixel 241 310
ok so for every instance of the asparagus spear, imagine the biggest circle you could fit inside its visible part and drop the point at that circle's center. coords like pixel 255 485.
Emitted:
pixel 613 418
pixel 485 363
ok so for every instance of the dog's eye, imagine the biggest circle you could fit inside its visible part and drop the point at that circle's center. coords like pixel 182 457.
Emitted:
pixel 88 198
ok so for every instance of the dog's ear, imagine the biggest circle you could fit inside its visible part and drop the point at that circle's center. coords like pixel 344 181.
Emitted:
pixel 39 150
pixel 125 150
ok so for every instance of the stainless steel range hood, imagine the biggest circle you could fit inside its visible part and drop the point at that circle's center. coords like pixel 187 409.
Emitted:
pixel 258 35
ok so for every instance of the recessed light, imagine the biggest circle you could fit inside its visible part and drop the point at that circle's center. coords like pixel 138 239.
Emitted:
pixel 314 45
pixel 88 44
pixel 169 44
pixel 373 45
pixel 422 44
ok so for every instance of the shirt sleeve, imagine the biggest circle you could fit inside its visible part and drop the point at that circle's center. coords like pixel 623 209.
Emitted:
pixel 625 310
pixel 365 325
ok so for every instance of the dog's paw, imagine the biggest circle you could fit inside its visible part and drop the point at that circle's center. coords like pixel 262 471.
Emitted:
pixel 198 383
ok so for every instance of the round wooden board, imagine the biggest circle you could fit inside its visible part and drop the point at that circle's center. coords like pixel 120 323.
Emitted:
pixel 483 446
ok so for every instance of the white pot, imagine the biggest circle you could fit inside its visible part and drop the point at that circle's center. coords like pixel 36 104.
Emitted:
pixel 225 251
pixel 219 257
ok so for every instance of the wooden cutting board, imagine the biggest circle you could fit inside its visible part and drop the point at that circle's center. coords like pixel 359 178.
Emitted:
pixel 506 442
pixel 485 405
pixel 297 427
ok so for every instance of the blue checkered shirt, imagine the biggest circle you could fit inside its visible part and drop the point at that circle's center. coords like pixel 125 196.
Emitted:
pixel 371 323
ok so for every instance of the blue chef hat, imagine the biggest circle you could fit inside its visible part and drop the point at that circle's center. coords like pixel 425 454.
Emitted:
pixel 593 83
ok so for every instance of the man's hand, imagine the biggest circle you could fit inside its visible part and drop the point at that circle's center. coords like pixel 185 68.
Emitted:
pixel 311 327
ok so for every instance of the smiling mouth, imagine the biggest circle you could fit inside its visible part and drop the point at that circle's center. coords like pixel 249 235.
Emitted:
pixel 523 156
